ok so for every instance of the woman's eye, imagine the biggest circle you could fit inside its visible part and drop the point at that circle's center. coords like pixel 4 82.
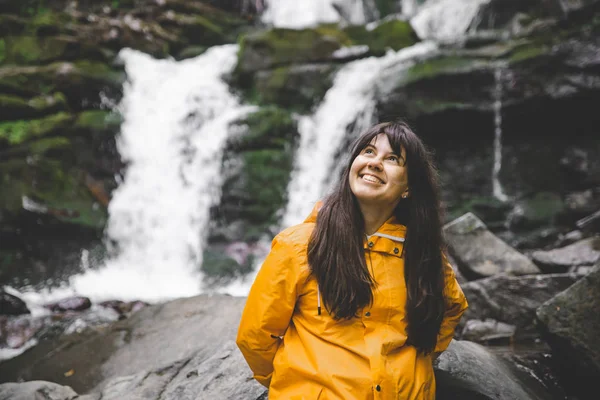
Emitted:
pixel 368 151
pixel 393 158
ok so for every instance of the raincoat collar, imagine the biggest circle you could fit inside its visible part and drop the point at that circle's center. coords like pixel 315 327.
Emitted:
pixel 388 238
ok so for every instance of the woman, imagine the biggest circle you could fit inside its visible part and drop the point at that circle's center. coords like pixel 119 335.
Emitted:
pixel 356 302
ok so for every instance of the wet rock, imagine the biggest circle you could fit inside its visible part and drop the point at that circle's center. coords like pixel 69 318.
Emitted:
pixel 479 253
pixel 536 211
pixel 16 332
pixel 570 323
pixel 124 309
pixel 193 326
pixel 583 252
pixel 224 375
pixel 487 331
pixel 467 370
pixel 512 300
pixel 36 390
pixel 12 305
pixel 70 304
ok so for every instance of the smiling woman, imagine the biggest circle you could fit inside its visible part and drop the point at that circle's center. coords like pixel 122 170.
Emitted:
pixel 378 179
pixel 372 254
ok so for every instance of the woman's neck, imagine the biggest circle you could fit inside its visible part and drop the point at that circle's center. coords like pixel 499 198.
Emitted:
pixel 374 218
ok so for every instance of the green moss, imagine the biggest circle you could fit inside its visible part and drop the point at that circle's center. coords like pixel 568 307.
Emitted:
pixel 61 191
pixel 15 132
pixel 257 190
pixel 12 102
pixel 97 121
pixel 439 66
pixel 267 172
pixel 55 101
pixel 218 267
pixel 2 50
pixel 393 34
pixel 527 52
pixel 47 21
pixel 296 87
pixel 98 71
pixel 268 128
pixel 275 47
pixel 43 146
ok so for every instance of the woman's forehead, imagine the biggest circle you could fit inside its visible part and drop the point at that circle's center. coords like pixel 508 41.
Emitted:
pixel 386 141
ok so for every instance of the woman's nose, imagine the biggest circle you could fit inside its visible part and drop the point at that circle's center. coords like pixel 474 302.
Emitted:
pixel 375 164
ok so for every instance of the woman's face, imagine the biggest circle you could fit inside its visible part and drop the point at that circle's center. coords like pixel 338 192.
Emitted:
pixel 378 175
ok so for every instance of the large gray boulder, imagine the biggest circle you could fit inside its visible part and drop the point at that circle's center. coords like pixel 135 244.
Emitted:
pixel 479 253
pixel 36 390
pixel 570 323
pixel 512 299
pixel 224 375
pixel 467 370
pixel 583 252
pixel 155 337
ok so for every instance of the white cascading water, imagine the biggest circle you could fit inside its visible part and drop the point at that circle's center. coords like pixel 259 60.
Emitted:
pixel 300 14
pixel 444 20
pixel 350 100
pixel 496 185
pixel 176 117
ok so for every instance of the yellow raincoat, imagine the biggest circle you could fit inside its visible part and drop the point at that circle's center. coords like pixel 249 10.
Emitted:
pixel 300 354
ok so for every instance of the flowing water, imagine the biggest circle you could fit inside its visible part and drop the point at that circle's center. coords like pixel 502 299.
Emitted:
pixel 176 118
pixel 443 20
pixel 496 185
pixel 300 14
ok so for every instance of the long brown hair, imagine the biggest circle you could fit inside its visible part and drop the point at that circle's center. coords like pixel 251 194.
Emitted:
pixel 337 258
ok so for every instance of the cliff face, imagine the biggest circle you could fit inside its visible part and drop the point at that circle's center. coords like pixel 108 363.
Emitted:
pixel 530 69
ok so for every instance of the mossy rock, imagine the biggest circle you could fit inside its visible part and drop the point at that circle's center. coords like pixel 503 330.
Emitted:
pixel 296 87
pixel 14 107
pixel 535 212
pixel 393 34
pixel 386 7
pixel 219 268
pixel 11 25
pixel 268 128
pixel 58 147
pixel 32 49
pixel 80 82
pixel 16 132
pixel 488 209
pixel 191 52
pixel 2 50
pixel 97 121
pixel 54 190
pixel 277 47
pixel 257 164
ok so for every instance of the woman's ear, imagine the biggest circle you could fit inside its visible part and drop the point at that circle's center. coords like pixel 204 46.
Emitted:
pixel 406 194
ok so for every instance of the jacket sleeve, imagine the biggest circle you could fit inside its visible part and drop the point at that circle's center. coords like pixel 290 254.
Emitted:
pixel 268 310
pixel 456 305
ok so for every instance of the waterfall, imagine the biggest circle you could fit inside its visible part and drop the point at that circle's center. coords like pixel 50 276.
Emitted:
pixel 299 14
pixel 176 118
pixel 443 20
pixel 350 100
pixel 496 186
